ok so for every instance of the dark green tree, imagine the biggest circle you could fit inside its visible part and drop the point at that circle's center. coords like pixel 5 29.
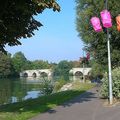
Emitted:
pixel 96 42
pixel 6 67
pixel 98 70
pixel 63 68
pixel 17 21
pixel 40 64
pixel 19 62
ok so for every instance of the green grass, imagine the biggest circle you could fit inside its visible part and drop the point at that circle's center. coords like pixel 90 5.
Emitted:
pixel 29 108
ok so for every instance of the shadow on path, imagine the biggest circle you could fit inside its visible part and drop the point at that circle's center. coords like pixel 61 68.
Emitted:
pixel 83 98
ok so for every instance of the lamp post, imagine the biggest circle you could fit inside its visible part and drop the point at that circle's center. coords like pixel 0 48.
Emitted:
pixel 83 65
pixel 107 23
pixel 109 62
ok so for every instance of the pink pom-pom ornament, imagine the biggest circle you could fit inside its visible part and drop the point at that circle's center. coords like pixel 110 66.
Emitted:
pixel 95 21
pixel 106 18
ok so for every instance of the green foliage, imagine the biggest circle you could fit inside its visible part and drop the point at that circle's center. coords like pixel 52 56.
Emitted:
pixel 47 86
pixel 40 64
pixel 19 62
pixel 97 70
pixel 115 84
pixel 96 42
pixel 59 84
pixel 63 68
pixel 6 67
pixel 17 21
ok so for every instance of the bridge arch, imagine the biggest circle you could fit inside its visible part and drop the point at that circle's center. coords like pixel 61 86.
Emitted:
pixel 34 75
pixel 44 74
pixel 78 73
pixel 25 74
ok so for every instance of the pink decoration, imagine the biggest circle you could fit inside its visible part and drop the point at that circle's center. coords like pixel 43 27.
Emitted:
pixel 88 56
pixel 95 21
pixel 106 18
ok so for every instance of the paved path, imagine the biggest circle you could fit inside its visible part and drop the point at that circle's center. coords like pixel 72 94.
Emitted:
pixel 84 107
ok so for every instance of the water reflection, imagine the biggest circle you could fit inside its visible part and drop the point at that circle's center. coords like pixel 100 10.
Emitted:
pixel 31 95
pixel 15 90
pixel 5 91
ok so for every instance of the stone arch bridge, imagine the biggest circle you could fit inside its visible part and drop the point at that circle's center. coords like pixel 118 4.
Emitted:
pixel 80 71
pixel 49 72
pixel 36 73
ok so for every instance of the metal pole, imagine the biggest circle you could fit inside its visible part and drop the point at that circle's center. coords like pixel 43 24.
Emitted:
pixel 109 65
pixel 109 68
pixel 83 73
pixel 83 67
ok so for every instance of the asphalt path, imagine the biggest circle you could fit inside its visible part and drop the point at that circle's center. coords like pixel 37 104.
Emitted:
pixel 87 106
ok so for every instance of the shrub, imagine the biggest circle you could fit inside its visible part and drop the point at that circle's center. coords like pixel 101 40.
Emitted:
pixel 59 84
pixel 115 84
pixel 47 87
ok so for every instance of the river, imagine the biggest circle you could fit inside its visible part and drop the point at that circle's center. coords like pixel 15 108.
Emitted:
pixel 16 90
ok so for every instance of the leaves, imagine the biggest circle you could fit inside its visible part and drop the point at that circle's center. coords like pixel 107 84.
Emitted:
pixel 97 42
pixel 17 21
pixel 6 67
pixel 115 84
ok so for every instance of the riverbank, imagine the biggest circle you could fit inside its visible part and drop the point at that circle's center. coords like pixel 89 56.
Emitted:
pixel 29 108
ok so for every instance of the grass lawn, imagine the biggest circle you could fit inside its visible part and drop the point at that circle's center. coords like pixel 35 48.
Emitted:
pixel 29 108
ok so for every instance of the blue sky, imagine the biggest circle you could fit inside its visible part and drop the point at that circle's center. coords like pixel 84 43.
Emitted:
pixel 57 40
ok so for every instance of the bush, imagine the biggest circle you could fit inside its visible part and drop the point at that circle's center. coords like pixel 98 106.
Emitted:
pixel 47 87
pixel 115 84
pixel 59 84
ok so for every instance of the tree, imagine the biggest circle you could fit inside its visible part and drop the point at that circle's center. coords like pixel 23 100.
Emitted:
pixel 17 21
pixel 96 42
pixel 46 87
pixel 76 64
pixel 63 68
pixel 97 70
pixel 85 61
pixel 40 64
pixel 6 67
pixel 19 62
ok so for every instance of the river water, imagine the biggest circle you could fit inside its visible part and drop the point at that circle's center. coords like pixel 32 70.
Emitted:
pixel 16 90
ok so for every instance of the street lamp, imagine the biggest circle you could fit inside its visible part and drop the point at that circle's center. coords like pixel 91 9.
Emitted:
pixel 106 21
pixel 83 64
pixel 109 62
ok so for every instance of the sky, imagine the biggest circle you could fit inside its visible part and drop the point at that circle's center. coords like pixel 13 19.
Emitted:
pixel 57 40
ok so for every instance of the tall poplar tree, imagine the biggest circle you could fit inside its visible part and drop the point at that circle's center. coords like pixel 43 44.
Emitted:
pixel 97 42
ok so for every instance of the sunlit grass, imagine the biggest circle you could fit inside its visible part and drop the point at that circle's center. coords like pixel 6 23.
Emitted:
pixel 27 109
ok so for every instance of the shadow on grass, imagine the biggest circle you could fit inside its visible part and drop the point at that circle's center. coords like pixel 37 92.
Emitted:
pixel 47 102
pixel 30 108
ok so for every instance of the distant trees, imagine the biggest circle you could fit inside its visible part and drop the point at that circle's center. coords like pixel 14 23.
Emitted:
pixel 40 64
pixel 62 68
pixel 13 65
pixel 19 62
